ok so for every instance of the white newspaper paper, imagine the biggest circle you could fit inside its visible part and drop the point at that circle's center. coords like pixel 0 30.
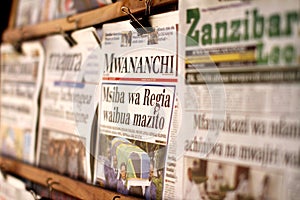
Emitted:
pixel 13 188
pixel 21 78
pixel 138 104
pixel 69 103
pixel 240 134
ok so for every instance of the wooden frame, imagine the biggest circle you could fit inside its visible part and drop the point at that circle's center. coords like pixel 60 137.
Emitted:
pixel 13 12
pixel 77 21
pixel 66 185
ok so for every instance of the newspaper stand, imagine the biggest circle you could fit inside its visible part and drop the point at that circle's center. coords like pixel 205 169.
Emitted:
pixel 269 72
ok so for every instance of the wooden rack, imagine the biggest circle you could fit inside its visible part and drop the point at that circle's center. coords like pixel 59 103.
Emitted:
pixel 77 21
pixel 66 185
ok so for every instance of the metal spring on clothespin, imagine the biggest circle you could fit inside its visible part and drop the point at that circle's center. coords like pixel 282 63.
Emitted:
pixel 141 25
pixel 148 6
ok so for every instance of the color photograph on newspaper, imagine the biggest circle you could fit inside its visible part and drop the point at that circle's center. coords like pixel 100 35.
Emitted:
pixel 131 167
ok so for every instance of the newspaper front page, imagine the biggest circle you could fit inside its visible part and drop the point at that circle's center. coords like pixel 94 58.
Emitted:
pixel 69 103
pixel 241 131
pixel 21 78
pixel 138 103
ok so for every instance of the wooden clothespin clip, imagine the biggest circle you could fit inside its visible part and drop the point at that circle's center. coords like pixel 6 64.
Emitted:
pixel 142 25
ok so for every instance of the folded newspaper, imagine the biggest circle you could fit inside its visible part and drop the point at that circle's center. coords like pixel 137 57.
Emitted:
pixel 21 79
pixel 241 131
pixel 69 103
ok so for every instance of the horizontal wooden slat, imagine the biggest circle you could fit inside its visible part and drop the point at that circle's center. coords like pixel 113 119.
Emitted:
pixel 13 13
pixel 81 20
pixel 66 185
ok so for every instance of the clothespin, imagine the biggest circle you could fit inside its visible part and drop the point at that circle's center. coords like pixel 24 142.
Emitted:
pixel 67 37
pixel 148 6
pixel 142 25
pixel 50 182
pixel 3 171
pixel 18 44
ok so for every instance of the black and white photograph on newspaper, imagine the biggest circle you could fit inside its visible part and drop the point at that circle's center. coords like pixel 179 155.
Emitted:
pixel 64 153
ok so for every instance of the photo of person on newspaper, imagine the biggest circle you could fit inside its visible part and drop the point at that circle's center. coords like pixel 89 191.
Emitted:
pixel 191 189
pixel 122 181
pixel 150 193
pixel 64 154
pixel 131 167
pixel 111 171
pixel 207 179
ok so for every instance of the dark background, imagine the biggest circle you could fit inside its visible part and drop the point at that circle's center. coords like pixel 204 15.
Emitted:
pixel 5 7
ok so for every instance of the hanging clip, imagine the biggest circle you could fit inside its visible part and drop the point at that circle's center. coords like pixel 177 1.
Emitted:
pixel 50 182
pixel 141 25
pixel 67 37
pixel 3 170
pixel 18 44
pixel 148 6
pixel 72 20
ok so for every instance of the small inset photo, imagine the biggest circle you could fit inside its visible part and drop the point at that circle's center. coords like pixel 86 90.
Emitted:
pixel 153 37
pixel 126 38
pixel 213 180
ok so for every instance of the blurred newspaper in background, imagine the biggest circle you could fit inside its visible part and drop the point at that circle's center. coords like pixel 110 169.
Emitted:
pixel 21 79
pixel 241 130
pixel 68 105
pixel 31 12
